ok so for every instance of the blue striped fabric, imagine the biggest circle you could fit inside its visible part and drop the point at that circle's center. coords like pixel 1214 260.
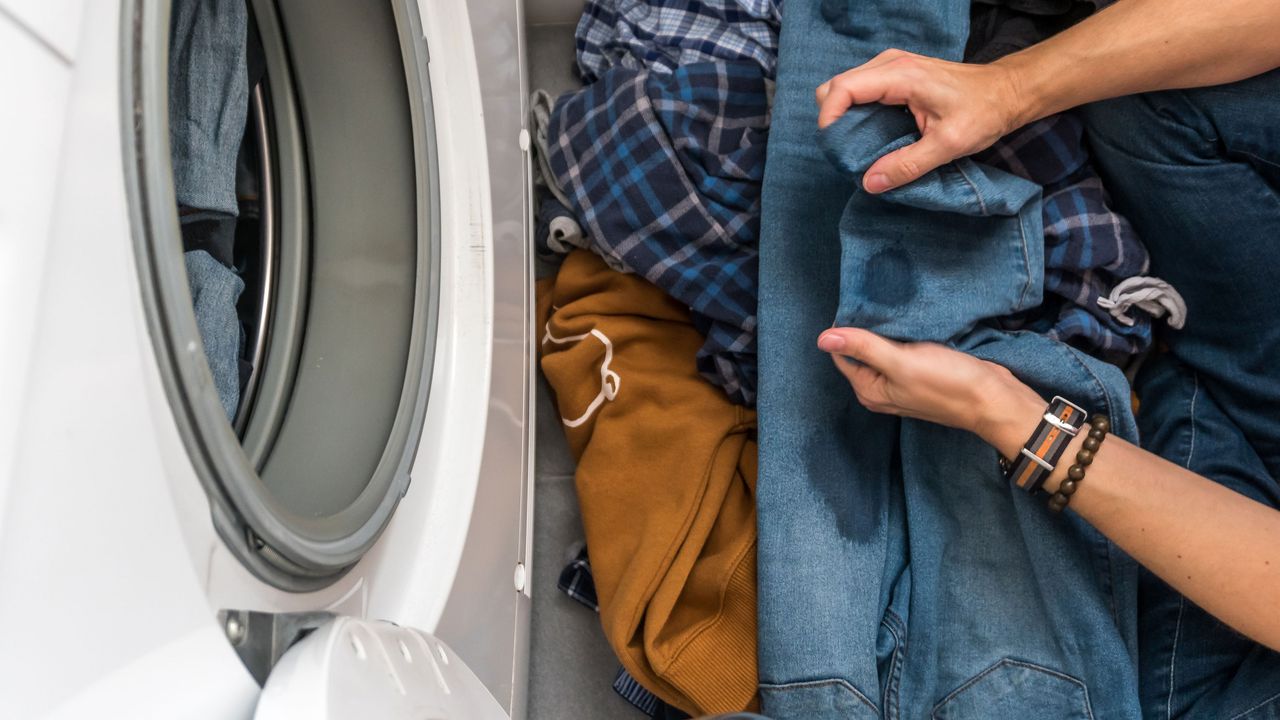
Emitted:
pixel 664 171
pixel 1089 248
pixel 662 35
pixel 634 693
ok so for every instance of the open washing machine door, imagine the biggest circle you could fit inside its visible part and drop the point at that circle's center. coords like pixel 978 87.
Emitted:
pixel 351 669
pixel 135 522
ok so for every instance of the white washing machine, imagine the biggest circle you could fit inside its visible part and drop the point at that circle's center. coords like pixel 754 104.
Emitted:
pixel 358 542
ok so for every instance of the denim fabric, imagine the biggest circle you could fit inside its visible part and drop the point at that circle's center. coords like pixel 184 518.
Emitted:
pixel 978 217
pixel 208 100
pixel 1198 173
pixel 1193 666
pixel 900 574
pixel 214 291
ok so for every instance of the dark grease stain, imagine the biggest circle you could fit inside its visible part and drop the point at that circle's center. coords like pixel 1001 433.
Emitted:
pixel 848 470
pixel 889 278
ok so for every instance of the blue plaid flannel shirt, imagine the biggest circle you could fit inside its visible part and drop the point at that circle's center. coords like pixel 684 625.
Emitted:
pixel 1089 248
pixel 664 173
pixel 662 35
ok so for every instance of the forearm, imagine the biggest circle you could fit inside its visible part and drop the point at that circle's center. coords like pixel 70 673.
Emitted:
pixel 1217 547
pixel 1143 45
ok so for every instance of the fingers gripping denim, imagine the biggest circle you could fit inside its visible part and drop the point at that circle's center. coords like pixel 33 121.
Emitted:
pixel 924 245
pixel 900 575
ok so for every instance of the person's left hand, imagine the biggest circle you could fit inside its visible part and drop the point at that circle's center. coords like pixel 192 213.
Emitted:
pixel 930 382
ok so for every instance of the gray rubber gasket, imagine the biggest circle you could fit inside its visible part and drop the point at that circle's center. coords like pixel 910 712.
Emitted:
pixel 296 551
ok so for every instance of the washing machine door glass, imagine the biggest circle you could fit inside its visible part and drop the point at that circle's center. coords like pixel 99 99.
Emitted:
pixel 353 668
pixel 336 242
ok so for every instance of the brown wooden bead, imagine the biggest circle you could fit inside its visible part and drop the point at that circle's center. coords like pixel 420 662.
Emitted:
pixel 1084 458
pixel 1075 472
pixel 1097 434
pixel 1057 502
pixel 1101 422
pixel 1068 487
pixel 1092 443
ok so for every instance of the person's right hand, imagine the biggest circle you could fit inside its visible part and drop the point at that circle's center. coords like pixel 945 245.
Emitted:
pixel 959 109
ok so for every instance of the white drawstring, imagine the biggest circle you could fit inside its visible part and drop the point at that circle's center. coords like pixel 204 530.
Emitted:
pixel 609 380
pixel 1151 294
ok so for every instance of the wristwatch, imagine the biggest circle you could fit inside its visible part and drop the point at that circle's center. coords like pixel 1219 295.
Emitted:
pixel 1061 422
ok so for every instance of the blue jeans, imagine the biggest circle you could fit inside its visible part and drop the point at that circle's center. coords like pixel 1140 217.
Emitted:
pixel 214 291
pixel 208 100
pixel 1198 174
pixel 208 108
pixel 900 574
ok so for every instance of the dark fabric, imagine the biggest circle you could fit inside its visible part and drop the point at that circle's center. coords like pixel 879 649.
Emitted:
pixel 1198 171
pixel 664 173
pixel 576 582
pixel 213 232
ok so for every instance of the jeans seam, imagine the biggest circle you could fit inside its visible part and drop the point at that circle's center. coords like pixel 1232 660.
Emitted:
pixel 1101 389
pixel 1255 157
pixel 819 683
pixel 1195 395
pixel 1268 701
pixel 1173 657
pixel 1008 661
pixel 895 665
pixel 976 193
pixel 1182 600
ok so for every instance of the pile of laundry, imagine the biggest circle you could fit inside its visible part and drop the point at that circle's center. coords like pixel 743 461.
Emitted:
pixel 652 183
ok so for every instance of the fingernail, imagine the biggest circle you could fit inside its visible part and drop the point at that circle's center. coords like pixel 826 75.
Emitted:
pixel 831 343
pixel 876 183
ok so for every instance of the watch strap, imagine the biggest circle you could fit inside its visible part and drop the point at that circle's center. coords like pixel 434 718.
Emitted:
pixel 1060 423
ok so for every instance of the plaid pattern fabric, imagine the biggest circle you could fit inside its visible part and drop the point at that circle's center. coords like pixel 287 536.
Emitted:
pixel 1089 248
pixel 577 583
pixel 662 35
pixel 664 171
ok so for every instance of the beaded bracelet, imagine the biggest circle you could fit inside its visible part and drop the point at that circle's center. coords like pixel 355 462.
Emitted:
pixel 1099 425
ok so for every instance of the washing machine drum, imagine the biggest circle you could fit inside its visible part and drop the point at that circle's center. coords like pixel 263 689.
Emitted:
pixel 341 298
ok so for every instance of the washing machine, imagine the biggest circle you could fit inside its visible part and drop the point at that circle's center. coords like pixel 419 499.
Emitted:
pixel 357 541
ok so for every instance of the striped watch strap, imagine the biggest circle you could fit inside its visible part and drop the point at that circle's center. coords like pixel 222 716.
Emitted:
pixel 1061 421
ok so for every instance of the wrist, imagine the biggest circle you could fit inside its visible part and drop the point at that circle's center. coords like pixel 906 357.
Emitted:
pixel 1028 97
pixel 1007 415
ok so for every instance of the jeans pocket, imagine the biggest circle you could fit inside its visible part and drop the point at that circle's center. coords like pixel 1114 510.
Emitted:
pixel 1017 689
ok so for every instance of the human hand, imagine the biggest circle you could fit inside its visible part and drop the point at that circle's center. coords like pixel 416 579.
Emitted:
pixel 959 109
pixel 931 382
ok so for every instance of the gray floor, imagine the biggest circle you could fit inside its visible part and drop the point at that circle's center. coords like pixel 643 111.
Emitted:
pixel 571 667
